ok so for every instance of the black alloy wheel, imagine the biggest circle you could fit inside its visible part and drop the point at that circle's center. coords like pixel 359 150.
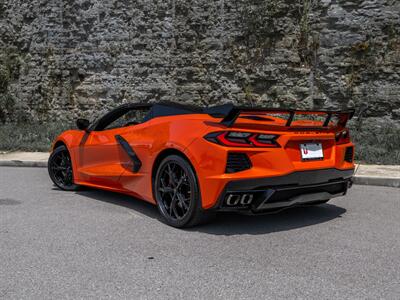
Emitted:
pixel 177 193
pixel 60 169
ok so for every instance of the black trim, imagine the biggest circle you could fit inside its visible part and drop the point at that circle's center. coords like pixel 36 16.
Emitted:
pixel 228 112
pixel 295 178
pixel 237 162
pixel 220 111
pixel 116 113
pixel 285 193
pixel 278 198
pixel 327 120
pixel 82 124
pixel 290 119
pixel 348 156
pixel 131 153
pixel 300 181
pixel 161 109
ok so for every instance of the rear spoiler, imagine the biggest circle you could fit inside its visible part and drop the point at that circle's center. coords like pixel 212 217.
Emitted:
pixel 229 114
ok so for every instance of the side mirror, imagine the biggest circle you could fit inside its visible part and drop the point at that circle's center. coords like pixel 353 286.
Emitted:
pixel 82 124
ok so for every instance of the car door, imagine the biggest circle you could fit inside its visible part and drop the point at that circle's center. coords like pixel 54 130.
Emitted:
pixel 102 157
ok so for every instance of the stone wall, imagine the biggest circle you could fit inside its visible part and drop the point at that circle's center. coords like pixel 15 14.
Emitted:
pixel 68 58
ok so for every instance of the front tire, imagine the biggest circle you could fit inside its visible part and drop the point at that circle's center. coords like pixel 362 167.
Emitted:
pixel 60 169
pixel 177 193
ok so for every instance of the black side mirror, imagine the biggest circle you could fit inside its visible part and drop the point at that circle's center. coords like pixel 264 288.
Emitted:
pixel 82 124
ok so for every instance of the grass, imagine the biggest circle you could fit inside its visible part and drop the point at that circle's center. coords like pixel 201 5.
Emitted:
pixel 377 144
pixel 30 137
pixel 374 144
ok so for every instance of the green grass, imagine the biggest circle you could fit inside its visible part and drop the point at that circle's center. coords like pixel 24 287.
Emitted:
pixel 30 137
pixel 377 144
pixel 374 144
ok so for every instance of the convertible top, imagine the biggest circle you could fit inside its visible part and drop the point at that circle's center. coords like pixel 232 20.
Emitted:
pixel 160 109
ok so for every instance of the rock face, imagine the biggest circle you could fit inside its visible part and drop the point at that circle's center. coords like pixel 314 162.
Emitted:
pixel 60 59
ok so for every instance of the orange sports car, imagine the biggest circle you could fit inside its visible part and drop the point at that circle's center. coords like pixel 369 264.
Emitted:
pixel 192 162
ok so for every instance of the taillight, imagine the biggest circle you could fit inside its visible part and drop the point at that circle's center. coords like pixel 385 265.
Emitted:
pixel 243 139
pixel 342 137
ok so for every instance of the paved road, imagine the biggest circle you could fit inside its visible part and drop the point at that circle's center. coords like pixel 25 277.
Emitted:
pixel 94 244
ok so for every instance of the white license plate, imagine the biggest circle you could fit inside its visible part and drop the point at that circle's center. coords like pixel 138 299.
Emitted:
pixel 311 151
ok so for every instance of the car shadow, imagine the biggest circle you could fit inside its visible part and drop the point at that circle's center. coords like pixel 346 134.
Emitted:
pixel 142 207
pixel 289 219
pixel 231 223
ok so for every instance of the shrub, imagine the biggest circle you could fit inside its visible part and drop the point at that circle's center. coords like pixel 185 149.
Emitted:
pixel 30 137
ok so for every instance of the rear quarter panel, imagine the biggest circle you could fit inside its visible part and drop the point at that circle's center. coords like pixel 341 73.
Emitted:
pixel 158 135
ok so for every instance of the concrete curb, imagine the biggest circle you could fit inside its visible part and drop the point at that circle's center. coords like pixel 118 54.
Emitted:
pixel 23 163
pixel 374 180
pixel 358 179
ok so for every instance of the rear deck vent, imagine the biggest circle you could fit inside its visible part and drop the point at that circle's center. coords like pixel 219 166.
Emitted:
pixel 237 162
pixel 348 156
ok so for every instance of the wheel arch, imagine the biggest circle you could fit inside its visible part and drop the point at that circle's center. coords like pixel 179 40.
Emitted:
pixel 70 186
pixel 59 143
pixel 163 154
pixel 200 214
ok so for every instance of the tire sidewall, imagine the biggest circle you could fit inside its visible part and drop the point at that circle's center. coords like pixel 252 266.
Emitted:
pixel 195 203
pixel 56 151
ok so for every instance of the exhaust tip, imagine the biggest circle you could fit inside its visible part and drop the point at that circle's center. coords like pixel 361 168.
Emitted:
pixel 238 200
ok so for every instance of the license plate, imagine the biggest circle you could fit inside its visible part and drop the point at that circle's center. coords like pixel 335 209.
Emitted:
pixel 311 151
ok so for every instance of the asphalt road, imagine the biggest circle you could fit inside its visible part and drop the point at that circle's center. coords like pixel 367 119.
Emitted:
pixel 95 244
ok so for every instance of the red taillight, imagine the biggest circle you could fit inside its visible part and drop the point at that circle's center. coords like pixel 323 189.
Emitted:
pixel 342 137
pixel 226 140
pixel 243 139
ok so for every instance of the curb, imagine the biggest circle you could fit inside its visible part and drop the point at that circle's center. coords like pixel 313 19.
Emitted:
pixel 24 163
pixel 357 179
pixel 379 181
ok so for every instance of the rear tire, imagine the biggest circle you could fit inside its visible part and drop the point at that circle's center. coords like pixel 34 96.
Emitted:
pixel 60 169
pixel 177 193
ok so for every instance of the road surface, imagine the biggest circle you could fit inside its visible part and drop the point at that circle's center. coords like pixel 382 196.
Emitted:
pixel 95 244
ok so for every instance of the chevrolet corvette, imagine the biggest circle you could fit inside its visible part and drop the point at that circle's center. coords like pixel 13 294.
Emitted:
pixel 192 162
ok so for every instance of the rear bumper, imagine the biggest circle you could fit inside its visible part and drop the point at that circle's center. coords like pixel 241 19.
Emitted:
pixel 274 193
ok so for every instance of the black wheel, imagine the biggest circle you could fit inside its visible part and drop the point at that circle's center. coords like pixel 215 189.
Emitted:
pixel 60 169
pixel 177 193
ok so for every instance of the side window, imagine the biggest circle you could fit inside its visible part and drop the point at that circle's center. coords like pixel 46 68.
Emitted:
pixel 131 117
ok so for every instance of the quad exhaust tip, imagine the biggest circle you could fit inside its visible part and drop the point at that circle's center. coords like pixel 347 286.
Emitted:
pixel 238 199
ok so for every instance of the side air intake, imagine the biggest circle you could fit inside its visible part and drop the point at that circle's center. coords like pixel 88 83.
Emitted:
pixel 237 162
pixel 348 156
